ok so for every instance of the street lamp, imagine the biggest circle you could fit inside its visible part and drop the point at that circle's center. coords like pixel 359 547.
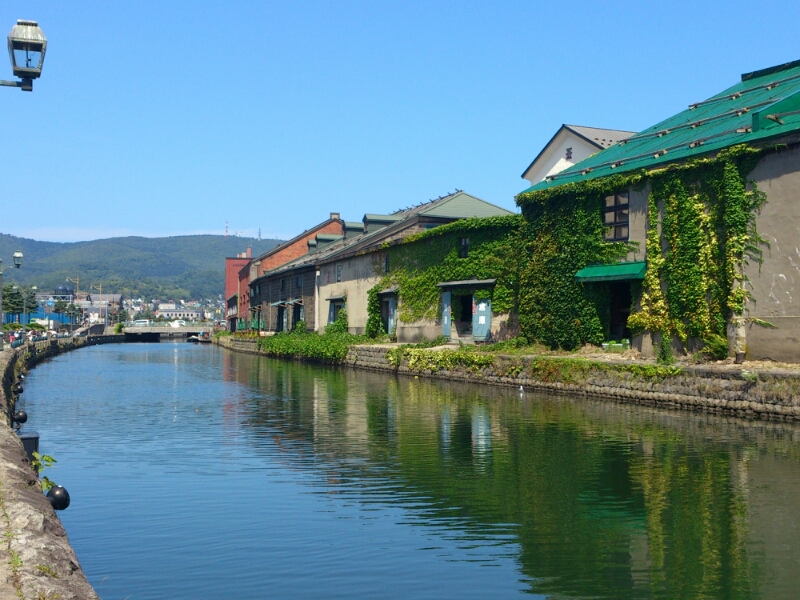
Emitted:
pixel 17 256
pixel 26 48
pixel 34 289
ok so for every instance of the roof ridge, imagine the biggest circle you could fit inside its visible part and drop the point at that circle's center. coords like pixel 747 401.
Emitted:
pixel 428 202
pixel 770 70
pixel 597 128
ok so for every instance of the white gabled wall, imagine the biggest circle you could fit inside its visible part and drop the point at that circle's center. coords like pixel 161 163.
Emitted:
pixel 554 158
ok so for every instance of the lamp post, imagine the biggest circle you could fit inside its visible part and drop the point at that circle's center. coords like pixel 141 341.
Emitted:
pixel 17 257
pixel 34 289
pixel 26 48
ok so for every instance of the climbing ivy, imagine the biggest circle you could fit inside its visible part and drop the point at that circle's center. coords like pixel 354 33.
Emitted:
pixel 563 236
pixel 694 283
pixel 423 260
pixel 374 323
pixel 695 280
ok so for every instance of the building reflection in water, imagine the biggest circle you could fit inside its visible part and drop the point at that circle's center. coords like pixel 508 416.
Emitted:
pixel 600 499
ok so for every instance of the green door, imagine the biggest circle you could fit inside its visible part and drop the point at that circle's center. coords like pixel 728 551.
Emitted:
pixel 446 314
pixel 482 321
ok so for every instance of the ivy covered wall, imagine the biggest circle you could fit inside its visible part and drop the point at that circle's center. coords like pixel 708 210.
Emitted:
pixel 701 230
pixel 423 260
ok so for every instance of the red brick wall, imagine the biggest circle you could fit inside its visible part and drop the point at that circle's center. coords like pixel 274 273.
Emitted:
pixel 232 268
pixel 297 248
pixel 280 257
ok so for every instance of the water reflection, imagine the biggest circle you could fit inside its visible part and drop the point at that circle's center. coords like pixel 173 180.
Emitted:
pixel 603 500
pixel 412 485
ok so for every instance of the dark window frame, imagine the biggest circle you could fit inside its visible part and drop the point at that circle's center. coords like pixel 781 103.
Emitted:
pixel 616 217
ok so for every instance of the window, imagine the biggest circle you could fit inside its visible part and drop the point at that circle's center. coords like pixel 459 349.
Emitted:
pixel 283 284
pixel 615 217
pixel 463 247
pixel 298 281
pixel 569 153
pixel 334 308
pixel 385 263
pixel 338 273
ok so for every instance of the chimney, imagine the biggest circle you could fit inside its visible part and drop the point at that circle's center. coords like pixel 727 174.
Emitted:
pixel 249 252
pixel 335 216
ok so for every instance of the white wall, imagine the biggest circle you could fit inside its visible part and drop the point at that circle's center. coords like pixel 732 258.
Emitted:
pixel 553 159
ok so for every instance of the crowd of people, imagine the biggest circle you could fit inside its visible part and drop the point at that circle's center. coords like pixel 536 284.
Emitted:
pixel 19 334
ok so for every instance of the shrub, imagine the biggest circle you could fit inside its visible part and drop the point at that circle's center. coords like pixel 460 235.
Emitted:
pixel 716 347
pixel 665 356
pixel 330 347
pixel 340 324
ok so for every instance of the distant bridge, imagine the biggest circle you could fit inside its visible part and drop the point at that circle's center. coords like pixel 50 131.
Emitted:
pixel 154 333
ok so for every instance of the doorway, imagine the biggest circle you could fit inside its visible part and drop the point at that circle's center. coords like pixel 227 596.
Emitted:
pixel 620 310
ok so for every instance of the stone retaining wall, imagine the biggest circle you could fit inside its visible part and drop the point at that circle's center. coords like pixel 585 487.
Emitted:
pixel 771 394
pixel 729 389
pixel 36 559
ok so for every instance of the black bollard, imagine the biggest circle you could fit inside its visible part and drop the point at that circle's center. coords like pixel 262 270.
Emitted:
pixel 17 389
pixel 19 417
pixel 58 497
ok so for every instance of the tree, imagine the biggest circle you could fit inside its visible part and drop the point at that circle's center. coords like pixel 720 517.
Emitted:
pixel 60 307
pixel 31 303
pixel 72 312
pixel 12 300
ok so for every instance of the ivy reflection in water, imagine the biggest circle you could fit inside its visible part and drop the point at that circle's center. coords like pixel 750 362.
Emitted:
pixel 603 500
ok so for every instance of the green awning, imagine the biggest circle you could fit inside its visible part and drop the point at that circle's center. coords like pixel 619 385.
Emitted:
pixel 617 272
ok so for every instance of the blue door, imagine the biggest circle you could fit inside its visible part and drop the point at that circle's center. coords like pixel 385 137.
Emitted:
pixel 392 317
pixel 446 314
pixel 482 320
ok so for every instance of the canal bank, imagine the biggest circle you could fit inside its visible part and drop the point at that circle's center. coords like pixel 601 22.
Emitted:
pixel 765 392
pixel 36 559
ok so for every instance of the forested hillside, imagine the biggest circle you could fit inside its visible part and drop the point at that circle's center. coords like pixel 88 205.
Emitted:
pixel 180 267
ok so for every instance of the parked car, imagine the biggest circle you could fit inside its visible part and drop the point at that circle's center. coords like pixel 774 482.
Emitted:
pixel 141 323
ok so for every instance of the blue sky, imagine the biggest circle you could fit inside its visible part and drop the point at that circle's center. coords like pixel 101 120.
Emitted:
pixel 170 118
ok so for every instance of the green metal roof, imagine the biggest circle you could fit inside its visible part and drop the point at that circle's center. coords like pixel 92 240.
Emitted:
pixel 765 104
pixel 617 272
pixel 461 206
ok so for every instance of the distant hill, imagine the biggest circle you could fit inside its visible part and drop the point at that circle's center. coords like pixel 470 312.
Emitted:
pixel 180 267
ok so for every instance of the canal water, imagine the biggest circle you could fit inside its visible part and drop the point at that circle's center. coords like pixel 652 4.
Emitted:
pixel 199 473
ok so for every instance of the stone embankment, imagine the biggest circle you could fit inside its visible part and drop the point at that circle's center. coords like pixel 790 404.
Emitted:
pixel 36 559
pixel 766 393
